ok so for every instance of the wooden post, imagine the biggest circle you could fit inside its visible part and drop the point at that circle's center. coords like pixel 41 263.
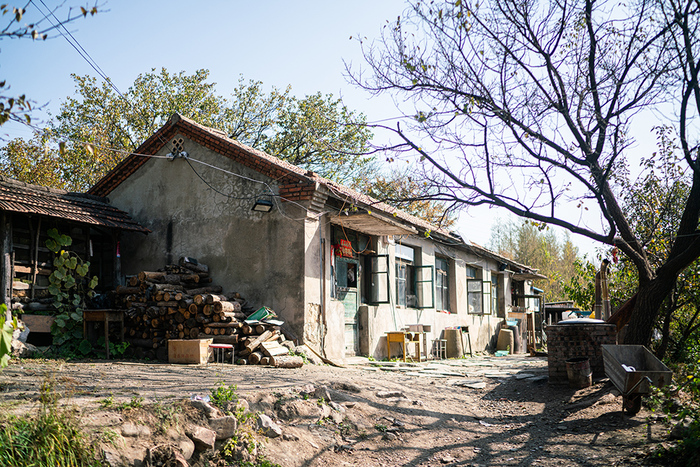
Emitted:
pixel 5 266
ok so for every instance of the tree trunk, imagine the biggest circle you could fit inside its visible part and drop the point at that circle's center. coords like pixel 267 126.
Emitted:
pixel 650 297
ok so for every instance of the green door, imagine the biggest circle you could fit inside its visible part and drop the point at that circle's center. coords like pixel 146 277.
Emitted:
pixel 347 285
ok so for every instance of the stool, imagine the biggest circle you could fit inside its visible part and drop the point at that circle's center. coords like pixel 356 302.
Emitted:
pixel 219 352
pixel 440 348
pixel 465 330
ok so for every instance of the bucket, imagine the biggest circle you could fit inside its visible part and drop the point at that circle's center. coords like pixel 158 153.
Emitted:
pixel 579 372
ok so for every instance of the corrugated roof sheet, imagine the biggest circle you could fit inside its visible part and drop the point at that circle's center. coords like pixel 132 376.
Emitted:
pixel 24 198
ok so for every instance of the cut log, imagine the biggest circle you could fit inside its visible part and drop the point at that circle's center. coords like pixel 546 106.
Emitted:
pixel 150 276
pixel 224 306
pixel 265 361
pixel 193 265
pixel 211 298
pixel 254 358
pixel 273 349
pixel 121 290
pixel 205 290
pixel 253 344
pixel 287 361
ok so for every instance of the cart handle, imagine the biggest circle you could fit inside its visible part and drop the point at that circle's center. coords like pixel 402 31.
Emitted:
pixel 640 382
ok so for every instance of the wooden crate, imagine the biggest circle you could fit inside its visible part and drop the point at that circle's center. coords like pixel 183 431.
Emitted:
pixel 189 350
pixel 38 323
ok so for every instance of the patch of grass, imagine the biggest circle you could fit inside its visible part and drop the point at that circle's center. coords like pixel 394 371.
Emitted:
pixel 108 403
pixel 52 437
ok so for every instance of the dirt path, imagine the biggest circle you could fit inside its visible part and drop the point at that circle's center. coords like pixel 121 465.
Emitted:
pixel 477 411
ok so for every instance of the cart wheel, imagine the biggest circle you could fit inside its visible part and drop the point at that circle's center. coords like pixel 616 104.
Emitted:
pixel 631 404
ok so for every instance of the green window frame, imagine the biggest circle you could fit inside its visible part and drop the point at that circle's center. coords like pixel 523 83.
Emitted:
pixel 378 279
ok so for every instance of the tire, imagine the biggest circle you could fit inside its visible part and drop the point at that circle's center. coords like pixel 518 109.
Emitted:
pixel 631 405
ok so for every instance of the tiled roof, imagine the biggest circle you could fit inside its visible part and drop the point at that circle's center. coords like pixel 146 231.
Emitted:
pixel 295 183
pixel 286 174
pixel 24 198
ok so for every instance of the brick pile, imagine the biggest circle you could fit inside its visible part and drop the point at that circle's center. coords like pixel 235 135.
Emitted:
pixel 565 341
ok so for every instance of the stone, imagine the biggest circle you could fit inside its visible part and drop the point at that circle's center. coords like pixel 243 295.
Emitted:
pixel 225 427
pixel 203 438
pixel 322 392
pixel 296 409
pixel 680 430
pixel 325 411
pixel 268 427
pixel 349 387
pixel 307 390
pixel 131 430
pixel 337 407
pixel 388 436
pixel 186 446
pixel 337 417
pixel 290 437
pixel 23 350
pixel 209 410
pixel 390 394
pixel 350 404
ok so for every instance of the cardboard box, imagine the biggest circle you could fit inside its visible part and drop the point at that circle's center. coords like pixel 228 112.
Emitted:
pixel 189 350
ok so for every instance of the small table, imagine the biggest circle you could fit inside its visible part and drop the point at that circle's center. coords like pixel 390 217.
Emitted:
pixel 404 338
pixel 219 352
pixel 104 316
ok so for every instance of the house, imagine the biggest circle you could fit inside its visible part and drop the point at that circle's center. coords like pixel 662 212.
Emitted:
pixel 339 267
pixel 27 212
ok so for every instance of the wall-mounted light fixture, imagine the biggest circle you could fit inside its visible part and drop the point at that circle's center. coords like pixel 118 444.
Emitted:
pixel 262 205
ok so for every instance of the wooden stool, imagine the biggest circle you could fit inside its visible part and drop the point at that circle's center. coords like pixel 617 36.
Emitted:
pixel 219 352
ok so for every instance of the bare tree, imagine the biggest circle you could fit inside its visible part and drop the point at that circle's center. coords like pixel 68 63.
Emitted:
pixel 32 20
pixel 527 106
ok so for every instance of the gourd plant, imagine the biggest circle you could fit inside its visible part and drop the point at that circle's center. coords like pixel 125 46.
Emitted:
pixel 70 287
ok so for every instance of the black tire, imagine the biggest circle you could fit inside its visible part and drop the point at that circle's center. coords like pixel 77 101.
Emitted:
pixel 631 405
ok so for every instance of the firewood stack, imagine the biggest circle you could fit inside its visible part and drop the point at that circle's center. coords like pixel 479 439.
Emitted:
pixel 179 302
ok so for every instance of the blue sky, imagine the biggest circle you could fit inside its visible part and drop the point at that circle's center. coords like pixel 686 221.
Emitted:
pixel 302 43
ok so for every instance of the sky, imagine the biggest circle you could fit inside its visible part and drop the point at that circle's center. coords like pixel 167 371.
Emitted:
pixel 302 43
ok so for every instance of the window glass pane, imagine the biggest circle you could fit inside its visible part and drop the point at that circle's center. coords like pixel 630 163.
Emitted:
pixel 424 286
pixel 474 299
pixel 404 252
pixel 379 279
pixel 401 284
pixel 441 284
pixel 471 272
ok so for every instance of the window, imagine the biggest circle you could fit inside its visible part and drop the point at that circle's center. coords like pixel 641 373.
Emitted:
pixel 479 297
pixel 442 294
pixel 378 283
pixel 414 284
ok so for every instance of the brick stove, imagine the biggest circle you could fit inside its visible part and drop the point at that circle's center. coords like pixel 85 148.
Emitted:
pixel 565 341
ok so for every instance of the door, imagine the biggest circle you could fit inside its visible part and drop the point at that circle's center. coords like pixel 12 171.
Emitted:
pixel 347 286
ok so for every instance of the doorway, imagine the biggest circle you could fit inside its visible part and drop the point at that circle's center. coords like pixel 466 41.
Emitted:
pixel 347 286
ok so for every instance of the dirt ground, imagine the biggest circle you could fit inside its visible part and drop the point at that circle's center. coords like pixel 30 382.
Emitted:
pixel 475 411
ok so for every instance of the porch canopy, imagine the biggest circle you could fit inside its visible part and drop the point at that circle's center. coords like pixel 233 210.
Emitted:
pixel 372 224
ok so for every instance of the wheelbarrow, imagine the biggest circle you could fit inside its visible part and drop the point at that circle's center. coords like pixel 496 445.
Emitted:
pixel 633 369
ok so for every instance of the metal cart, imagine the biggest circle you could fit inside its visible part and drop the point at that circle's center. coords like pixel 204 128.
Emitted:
pixel 633 369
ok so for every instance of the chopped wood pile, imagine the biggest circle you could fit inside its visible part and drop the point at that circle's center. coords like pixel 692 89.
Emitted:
pixel 180 302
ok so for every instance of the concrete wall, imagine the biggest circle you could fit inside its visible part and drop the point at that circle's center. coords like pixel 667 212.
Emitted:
pixel 259 255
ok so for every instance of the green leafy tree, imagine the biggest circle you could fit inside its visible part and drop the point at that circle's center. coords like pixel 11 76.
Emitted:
pixel 70 287
pixel 527 106
pixel 99 127
pixel 541 249
pixel 30 23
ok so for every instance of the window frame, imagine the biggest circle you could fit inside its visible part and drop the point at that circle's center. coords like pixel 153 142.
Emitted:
pixel 374 283
pixel 442 284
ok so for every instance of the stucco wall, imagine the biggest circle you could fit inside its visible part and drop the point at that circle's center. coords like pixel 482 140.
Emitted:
pixel 375 320
pixel 259 255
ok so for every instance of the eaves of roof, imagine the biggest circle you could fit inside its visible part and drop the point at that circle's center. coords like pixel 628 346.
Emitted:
pixel 23 198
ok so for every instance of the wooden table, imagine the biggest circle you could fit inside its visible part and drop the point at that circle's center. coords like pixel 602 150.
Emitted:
pixel 404 338
pixel 104 316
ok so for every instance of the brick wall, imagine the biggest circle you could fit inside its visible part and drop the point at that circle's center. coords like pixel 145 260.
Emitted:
pixel 565 341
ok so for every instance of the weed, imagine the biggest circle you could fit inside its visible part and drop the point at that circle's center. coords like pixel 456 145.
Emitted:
pixel 380 427
pixel 135 403
pixel 107 402
pixel 52 437
pixel 222 394
pixel 321 401
pixel 166 415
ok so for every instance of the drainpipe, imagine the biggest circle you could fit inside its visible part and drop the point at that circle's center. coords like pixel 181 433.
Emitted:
pixel 322 260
